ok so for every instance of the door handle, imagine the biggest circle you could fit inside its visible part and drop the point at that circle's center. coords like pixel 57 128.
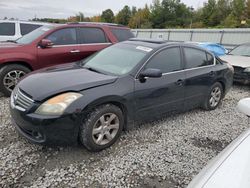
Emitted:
pixel 74 51
pixel 179 82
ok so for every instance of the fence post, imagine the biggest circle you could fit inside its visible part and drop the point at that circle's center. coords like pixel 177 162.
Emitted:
pixel 169 34
pixel 191 36
pixel 222 35
pixel 151 33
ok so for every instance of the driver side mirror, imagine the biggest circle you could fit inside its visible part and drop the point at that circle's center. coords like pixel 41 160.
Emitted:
pixel 150 73
pixel 45 43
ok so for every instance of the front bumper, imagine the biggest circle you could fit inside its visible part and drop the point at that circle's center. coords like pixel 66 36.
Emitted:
pixel 241 76
pixel 46 130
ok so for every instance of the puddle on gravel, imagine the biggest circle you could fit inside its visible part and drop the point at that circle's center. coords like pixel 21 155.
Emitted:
pixel 208 143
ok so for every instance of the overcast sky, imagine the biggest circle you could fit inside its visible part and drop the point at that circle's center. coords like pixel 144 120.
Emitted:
pixel 27 9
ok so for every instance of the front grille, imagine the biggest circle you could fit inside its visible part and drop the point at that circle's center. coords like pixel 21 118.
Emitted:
pixel 238 69
pixel 21 100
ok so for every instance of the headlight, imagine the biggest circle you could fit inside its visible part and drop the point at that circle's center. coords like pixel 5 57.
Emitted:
pixel 247 70
pixel 57 104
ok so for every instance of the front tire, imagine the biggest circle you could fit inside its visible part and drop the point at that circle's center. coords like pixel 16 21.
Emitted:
pixel 214 97
pixel 102 127
pixel 9 77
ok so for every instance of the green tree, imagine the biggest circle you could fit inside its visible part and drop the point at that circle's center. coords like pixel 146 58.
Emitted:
pixel 209 13
pixel 123 16
pixel 156 16
pixel 170 13
pixel 141 19
pixel 108 16
pixel 80 17
pixel 238 8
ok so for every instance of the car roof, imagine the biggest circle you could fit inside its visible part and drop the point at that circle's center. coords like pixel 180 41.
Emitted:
pixel 25 22
pixel 157 43
pixel 98 24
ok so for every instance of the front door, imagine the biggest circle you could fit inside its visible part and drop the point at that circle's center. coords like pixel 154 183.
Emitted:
pixel 156 96
pixel 64 50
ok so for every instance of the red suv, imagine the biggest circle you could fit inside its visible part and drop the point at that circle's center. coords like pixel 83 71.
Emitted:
pixel 54 44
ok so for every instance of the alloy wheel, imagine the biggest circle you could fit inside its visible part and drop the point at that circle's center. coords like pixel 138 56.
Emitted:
pixel 105 129
pixel 215 97
pixel 11 79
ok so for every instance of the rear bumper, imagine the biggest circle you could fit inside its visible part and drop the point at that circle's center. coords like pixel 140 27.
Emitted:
pixel 46 130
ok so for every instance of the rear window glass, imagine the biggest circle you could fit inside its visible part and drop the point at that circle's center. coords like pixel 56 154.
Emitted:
pixel 122 34
pixel 195 58
pixel 91 35
pixel 7 29
pixel 27 28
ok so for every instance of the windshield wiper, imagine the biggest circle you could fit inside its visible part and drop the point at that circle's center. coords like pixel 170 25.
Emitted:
pixel 93 69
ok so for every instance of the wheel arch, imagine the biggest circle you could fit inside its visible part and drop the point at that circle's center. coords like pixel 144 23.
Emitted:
pixel 114 100
pixel 23 63
pixel 223 83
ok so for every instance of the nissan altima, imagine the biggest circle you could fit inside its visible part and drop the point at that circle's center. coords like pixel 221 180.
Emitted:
pixel 93 100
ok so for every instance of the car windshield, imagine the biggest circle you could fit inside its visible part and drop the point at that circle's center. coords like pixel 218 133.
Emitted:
pixel 118 59
pixel 243 50
pixel 30 37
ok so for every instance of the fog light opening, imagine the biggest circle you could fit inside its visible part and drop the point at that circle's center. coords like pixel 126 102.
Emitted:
pixel 37 135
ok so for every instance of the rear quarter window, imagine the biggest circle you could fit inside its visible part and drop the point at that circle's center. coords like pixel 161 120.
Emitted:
pixel 7 29
pixel 122 34
pixel 27 28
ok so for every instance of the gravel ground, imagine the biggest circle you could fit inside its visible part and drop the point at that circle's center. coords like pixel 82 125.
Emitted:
pixel 163 153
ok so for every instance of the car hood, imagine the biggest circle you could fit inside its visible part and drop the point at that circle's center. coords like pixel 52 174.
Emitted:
pixel 53 80
pixel 239 61
pixel 9 45
pixel 231 168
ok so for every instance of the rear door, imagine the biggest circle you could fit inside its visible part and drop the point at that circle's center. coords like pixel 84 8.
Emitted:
pixel 200 75
pixel 64 50
pixel 91 40
pixel 156 96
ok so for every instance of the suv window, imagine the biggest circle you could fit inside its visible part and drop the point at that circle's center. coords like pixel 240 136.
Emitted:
pixel 27 28
pixel 168 60
pixel 91 35
pixel 195 58
pixel 7 29
pixel 122 34
pixel 63 37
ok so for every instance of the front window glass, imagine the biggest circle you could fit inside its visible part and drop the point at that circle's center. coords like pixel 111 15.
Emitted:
pixel 243 50
pixel 118 59
pixel 63 37
pixel 30 37
pixel 168 60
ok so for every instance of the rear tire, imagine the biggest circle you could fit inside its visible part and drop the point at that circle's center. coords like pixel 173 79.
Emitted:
pixel 9 76
pixel 214 97
pixel 102 127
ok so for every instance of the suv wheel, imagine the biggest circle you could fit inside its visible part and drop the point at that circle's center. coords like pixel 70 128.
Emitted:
pixel 9 77
pixel 214 97
pixel 102 127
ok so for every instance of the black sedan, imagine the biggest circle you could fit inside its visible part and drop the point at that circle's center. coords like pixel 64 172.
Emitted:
pixel 92 101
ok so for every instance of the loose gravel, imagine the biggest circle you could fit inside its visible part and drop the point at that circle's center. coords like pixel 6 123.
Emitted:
pixel 164 153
